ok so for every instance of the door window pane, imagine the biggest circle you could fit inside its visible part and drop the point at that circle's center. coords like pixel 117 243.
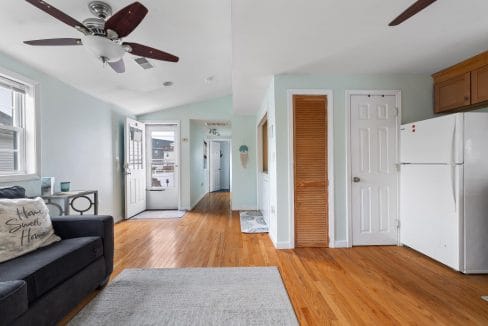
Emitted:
pixel 136 160
pixel 163 159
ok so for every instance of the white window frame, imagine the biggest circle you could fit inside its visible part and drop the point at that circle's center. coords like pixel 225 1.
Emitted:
pixel 30 151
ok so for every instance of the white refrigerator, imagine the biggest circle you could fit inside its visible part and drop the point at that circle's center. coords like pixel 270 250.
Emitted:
pixel 444 189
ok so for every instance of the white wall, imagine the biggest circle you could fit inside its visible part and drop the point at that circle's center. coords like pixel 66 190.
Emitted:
pixel 267 181
pixel 80 139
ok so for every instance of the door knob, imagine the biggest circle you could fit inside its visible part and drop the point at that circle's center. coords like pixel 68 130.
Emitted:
pixel 356 179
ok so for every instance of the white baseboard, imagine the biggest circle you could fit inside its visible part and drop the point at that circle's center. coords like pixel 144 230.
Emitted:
pixel 244 208
pixel 339 244
pixel 282 244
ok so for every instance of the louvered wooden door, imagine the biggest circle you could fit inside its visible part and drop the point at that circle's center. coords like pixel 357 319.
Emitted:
pixel 310 171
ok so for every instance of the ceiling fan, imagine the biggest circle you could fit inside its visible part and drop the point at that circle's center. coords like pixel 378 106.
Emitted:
pixel 102 36
pixel 414 9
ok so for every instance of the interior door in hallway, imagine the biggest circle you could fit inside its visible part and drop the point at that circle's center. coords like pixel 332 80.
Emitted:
pixel 374 185
pixel 214 166
pixel 310 171
pixel 134 168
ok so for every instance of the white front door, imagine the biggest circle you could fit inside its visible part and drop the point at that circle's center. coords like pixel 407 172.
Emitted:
pixel 214 166
pixel 374 175
pixel 162 144
pixel 135 168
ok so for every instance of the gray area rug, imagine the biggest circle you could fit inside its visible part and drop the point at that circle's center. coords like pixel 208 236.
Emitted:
pixel 160 214
pixel 253 222
pixel 192 296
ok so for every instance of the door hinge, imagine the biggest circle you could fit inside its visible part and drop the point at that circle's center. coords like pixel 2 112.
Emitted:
pixel 397 112
pixel 397 223
pixel 398 167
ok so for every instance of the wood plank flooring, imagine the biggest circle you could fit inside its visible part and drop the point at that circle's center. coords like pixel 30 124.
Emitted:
pixel 362 285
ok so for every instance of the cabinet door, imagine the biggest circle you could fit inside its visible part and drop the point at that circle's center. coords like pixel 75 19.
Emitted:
pixel 479 85
pixel 453 93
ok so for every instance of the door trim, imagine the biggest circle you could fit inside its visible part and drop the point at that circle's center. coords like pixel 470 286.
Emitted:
pixel 349 94
pixel 330 161
pixel 178 134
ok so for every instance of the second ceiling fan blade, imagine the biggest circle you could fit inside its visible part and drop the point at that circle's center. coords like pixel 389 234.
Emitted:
pixel 58 14
pixel 127 19
pixel 55 42
pixel 418 6
pixel 118 66
pixel 148 52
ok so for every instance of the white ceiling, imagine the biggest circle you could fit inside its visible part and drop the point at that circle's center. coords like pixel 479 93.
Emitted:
pixel 199 32
pixel 348 37
pixel 267 38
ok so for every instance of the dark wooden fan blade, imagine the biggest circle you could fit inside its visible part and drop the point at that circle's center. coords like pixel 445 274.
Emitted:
pixel 127 19
pixel 58 14
pixel 412 10
pixel 148 52
pixel 118 66
pixel 55 42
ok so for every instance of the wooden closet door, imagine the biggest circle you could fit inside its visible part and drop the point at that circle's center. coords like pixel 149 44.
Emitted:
pixel 310 171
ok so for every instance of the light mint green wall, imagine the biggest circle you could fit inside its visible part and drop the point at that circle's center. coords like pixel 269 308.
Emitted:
pixel 198 175
pixel 244 182
pixel 80 139
pixel 416 105
pixel 244 185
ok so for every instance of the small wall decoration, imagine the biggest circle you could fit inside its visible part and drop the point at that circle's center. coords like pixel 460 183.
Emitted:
pixel 244 150
pixel 205 158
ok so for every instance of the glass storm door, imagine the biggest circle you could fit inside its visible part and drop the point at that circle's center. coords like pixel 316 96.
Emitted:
pixel 162 166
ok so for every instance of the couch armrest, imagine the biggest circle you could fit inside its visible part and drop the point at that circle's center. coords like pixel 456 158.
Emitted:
pixel 13 301
pixel 88 226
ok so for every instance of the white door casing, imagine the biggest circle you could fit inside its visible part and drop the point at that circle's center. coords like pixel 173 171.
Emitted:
pixel 214 166
pixel 374 177
pixel 134 168
pixel 162 167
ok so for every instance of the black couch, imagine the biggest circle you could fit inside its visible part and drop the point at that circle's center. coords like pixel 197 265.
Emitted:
pixel 41 287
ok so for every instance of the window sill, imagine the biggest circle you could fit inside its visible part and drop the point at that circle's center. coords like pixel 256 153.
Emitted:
pixel 19 177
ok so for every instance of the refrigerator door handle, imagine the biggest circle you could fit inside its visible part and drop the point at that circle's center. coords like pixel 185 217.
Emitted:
pixel 453 183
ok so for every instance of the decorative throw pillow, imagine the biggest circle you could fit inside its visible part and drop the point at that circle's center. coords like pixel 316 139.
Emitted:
pixel 25 225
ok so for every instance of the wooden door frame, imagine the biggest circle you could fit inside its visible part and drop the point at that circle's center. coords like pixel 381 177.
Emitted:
pixel 349 93
pixel 178 134
pixel 330 160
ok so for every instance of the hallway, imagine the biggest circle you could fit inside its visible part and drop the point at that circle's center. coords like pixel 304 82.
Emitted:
pixel 363 285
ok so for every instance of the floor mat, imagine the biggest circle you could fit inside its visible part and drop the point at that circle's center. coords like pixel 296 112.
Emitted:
pixel 253 222
pixel 160 214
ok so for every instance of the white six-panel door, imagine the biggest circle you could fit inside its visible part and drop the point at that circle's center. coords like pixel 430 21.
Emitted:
pixel 135 168
pixel 374 127
pixel 214 166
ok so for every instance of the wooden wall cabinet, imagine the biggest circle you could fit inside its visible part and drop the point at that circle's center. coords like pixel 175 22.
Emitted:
pixel 463 86
pixel 479 85
pixel 452 93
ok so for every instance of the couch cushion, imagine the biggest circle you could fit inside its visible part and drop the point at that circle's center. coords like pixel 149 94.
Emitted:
pixel 49 266
pixel 12 192
pixel 13 301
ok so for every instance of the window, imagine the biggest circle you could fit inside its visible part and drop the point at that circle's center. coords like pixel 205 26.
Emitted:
pixel 18 132
pixel 264 144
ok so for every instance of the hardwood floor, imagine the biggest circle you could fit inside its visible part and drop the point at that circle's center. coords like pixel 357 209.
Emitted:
pixel 362 285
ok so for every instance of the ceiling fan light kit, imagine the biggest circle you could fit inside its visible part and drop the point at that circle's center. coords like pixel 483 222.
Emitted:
pixel 102 35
